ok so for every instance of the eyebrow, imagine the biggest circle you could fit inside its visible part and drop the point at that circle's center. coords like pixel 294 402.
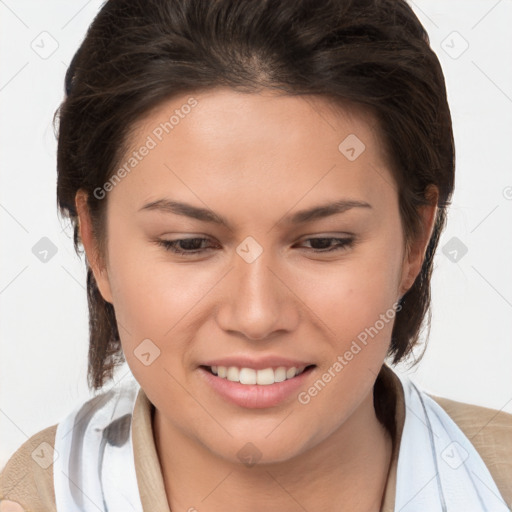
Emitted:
pixel 205 215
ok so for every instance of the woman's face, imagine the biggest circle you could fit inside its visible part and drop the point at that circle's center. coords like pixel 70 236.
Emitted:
pixel 264 284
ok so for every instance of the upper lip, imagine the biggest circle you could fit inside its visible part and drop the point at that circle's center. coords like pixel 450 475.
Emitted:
pixel 257 364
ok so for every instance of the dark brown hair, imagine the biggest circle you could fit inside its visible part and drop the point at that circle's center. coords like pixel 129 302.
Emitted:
pixel 369 53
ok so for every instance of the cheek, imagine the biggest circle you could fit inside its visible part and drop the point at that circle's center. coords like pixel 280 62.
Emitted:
pixel 149 304
pixel 137 286
pixel 154 298
pixel 351 297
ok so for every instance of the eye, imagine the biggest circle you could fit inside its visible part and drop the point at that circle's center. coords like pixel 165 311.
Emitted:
pixel 324 242
pixel 189 246
pixel 192 246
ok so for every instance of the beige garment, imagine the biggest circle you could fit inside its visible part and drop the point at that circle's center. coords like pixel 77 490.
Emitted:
pixel 25 482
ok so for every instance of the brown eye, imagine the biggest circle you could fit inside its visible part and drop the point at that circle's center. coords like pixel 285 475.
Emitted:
pixel 323 244
pixel 184 245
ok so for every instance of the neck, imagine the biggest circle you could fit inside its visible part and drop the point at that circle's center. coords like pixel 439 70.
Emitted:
pixel 346 471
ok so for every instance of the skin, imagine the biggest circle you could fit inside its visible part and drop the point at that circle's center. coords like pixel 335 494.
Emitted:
pixel 254 158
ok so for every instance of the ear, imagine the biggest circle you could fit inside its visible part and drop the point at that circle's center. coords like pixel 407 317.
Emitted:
pixel 98 266
pixel 416 249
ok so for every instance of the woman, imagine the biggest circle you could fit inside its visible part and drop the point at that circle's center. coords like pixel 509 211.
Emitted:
pixel 259 188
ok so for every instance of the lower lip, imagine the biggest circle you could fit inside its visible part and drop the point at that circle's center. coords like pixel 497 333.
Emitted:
pixel 255 396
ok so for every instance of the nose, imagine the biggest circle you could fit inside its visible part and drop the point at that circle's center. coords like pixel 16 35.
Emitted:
pixel 258 301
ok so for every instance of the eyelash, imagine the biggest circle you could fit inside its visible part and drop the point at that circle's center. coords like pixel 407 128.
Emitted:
pixel 171 245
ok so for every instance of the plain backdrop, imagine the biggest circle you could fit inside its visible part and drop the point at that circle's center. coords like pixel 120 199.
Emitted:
pixel 44 329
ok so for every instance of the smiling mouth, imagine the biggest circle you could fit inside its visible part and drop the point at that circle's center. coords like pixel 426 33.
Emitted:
pixel 264 377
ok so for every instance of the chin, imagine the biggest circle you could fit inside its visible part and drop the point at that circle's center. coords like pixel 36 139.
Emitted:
pixel 250 450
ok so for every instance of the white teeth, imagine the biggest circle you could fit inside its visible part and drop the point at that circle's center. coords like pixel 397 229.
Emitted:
pixel 291 372
pixel 247 375
pixel 262 377
pixel 265 377
pixel 280 374
pixel 233 374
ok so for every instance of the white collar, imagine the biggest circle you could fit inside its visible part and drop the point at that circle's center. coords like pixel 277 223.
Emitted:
pixel 438 467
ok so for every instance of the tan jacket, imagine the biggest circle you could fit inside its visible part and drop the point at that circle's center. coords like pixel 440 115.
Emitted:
pixel 25 482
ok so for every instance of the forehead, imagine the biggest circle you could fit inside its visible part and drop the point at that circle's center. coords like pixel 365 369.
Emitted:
pixel 221 114
pixel 264 147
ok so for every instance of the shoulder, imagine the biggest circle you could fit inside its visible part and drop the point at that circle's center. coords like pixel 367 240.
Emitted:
pixel 27 478
pixel 490 432
pixel 482 425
